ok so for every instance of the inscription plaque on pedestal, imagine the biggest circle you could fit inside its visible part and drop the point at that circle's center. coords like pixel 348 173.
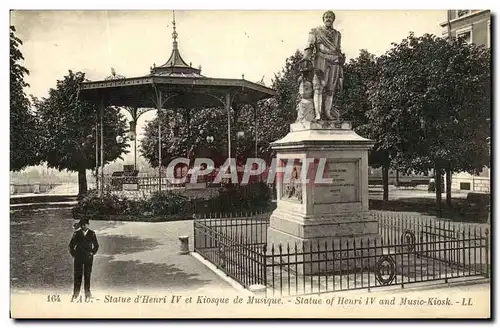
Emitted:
pixel 344 186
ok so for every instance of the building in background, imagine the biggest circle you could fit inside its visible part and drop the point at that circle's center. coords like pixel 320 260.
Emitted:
pixel 474 26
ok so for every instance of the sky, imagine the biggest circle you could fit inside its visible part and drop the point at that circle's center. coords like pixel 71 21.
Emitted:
pixel 226 44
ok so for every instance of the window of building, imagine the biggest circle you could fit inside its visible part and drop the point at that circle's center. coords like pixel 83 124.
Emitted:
pixel 464 185
pixel 463 12
pixel 465 34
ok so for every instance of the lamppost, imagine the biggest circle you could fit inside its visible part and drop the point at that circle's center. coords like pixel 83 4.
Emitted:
pixel 132 135
pixel 134 112
pixel 488 139
pixel 94 139
pixel 210 139
pixel 88 140
pixel 239 135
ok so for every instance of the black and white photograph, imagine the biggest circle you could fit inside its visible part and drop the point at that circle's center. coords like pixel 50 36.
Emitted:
pixel 227 164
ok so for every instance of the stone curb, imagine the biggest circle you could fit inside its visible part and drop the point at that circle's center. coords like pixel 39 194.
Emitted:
pixel 236 285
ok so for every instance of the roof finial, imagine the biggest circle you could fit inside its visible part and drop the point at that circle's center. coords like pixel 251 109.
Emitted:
pixel 174 33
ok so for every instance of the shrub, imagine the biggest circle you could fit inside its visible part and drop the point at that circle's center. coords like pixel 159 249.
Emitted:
pixel 92 204
pixel 234 198
pixel 231 198
pixel 161 203
pixel 165 203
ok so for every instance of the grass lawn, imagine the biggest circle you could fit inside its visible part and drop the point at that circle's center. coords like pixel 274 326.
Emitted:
pixel 461 210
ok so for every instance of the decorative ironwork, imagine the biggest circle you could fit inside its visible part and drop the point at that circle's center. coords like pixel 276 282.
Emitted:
pixel 385 270
pixel 346 264
pixel 174 33
pixel 408 240
pixel 114 76
pixel 199 82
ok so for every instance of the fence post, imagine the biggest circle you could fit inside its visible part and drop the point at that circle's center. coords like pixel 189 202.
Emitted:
pixel 272 265
pixel 463 248
pixel 370 267
pixel 402 264
pixel 264 265
pixel 445 253
pixel 487 273
pixel 194 234
pixel 280 248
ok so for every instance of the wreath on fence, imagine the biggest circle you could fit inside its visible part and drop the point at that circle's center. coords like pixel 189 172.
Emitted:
pixel 385 270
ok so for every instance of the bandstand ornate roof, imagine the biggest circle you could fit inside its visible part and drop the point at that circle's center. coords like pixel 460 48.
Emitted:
pixel 181 86
pixel 175 65
pixel 179 92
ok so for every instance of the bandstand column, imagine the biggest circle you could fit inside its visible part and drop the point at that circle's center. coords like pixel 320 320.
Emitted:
pixel 255 124
pixel 159 103
pixel 228 109
pixel 96 144
pixel 101 109
pixel 134 119
pixel 135 150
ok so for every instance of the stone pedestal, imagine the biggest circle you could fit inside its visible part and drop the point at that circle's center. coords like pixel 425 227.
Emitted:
pixel 332 215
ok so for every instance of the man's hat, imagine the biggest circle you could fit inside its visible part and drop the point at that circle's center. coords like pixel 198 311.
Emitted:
pixel 83 221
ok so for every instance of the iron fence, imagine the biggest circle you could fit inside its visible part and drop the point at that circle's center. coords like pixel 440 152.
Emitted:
pixel 150 184
pixel 137 183
pixel 408 249
pixel 234 245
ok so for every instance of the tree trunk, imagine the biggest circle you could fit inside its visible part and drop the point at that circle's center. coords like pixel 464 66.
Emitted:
pixel 385 182
pixel 437 176
pixel 82 182
pixel 448 187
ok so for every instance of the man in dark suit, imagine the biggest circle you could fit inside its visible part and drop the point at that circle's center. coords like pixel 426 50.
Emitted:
pixel 83 246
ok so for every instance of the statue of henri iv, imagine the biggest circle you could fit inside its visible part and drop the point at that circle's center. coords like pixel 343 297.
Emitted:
pixel 321 67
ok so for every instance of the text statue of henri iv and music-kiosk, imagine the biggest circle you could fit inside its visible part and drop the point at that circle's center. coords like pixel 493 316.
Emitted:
pixel 311 213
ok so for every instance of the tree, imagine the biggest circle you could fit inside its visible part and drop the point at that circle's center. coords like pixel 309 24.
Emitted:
pixel 432 97
pixel 360 76
pixel 184 134
pixel 67 131
pixel 465 89
pixel 277 113
pixel 23 124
